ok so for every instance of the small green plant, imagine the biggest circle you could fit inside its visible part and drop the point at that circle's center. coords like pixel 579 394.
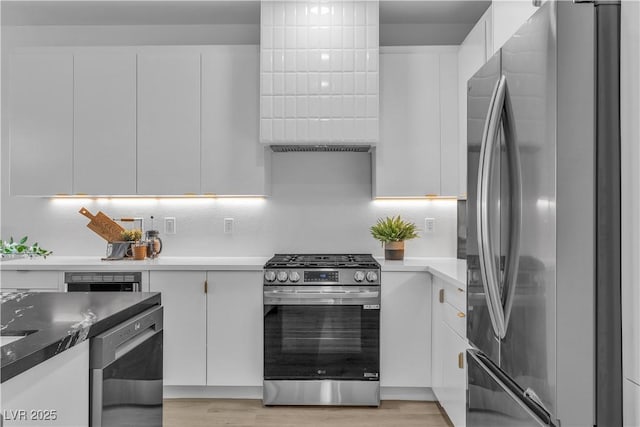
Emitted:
pixel 21 247
pixel 393 229
pixel 132 235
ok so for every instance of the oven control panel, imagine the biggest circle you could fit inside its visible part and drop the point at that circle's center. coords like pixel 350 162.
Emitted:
pixel 315 276
pixel 347 276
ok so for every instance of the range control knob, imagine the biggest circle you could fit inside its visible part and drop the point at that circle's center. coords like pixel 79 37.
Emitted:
pixel 282 276
pixel 294 276
pixel 269 276
pixel 372 276
pixel 358 276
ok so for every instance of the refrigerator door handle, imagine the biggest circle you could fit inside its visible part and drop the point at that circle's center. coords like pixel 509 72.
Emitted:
pixel 486 256
pixel 500 112
pixel 515 186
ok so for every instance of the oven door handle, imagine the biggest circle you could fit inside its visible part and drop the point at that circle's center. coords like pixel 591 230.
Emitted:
pixel 321 297
pixel 321 294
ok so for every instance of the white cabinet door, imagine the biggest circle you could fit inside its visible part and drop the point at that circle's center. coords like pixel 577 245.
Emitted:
pixel 56 390
pixel 448 349
pixel 454 376
pixel 407 159
pixel 449 124
pixel 234 328
pixel 233 159
pixel 508 17
pixel 474 51
pixel 32 280
pixel 168 160
pixel 405 330
pixel 185 323
pixel 41 123
pixel 437 337
pixel 104 148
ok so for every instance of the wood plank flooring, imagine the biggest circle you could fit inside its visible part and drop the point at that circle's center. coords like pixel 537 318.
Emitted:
pixel 250 413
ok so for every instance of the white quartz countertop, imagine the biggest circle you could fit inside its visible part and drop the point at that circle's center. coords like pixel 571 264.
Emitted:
pixel 450 269
pixel 86 263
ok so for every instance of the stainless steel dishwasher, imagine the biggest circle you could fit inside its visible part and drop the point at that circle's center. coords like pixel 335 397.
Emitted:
pixel 126 373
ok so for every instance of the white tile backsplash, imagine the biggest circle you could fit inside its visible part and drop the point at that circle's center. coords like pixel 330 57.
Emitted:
pixel 319 70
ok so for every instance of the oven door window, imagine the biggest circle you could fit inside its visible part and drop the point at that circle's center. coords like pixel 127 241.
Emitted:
pixel 321 342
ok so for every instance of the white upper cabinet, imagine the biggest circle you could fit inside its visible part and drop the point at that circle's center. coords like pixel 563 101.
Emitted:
pixel 508 16
pixel 41 123
pixel 418 150
pixel 448 85
pixel 168 159
pixel 474 51
pixel 233 161
pixel 104 119
pixel 319 72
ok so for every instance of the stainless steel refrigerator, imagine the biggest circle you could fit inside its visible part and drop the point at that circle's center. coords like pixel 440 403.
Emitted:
pixel 543 233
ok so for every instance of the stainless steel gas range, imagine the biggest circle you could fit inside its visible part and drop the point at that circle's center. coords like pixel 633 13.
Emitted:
pixel 322 330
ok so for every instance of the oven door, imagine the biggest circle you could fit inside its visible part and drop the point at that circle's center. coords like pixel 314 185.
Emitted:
pixel 321 332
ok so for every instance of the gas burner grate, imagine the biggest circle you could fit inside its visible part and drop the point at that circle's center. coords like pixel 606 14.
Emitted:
pixel 322 261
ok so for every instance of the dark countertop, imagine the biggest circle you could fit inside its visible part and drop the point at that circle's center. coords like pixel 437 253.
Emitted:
pixel 56 321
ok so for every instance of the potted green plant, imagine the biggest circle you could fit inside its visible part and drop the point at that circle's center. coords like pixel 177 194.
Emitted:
pixel 392 232
pixel 20 248
pixel 132 238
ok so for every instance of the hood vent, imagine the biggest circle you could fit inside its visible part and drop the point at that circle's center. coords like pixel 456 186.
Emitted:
pixel 320 148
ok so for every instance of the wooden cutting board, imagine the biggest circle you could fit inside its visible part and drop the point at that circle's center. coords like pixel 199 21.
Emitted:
pixel 103 226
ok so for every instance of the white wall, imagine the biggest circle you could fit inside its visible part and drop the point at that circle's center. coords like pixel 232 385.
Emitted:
pixel 320 201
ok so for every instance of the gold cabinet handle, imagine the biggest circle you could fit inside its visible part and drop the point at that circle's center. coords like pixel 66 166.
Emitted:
pixel 461 360
pixel 461 314
pixel 441 295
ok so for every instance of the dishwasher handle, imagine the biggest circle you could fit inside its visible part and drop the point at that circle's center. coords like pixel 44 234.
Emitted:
pixel 119 340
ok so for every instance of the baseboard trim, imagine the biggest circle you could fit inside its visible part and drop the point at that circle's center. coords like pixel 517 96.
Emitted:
pixel 212 392
pixel 407 393
pixel 247 392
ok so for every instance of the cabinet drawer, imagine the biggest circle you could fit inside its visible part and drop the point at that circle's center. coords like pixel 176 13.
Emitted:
pixel 455 296
pixel 22 279
pixel 456 319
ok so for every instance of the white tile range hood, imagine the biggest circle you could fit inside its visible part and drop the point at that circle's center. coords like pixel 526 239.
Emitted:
pixel 319 73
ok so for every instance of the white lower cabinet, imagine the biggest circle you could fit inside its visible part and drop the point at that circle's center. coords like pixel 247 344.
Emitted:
pixel 453 394
pixel 449 345
pixel 212 327
pixel 185 325
pixel 30 280
pixel 234 328
pixel 52 393
pixel 405 330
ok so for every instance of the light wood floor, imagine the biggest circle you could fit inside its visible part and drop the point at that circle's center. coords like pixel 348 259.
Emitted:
pixel 249 413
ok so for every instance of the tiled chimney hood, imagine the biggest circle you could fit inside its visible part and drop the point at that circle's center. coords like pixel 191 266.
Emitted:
pixel 319 73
